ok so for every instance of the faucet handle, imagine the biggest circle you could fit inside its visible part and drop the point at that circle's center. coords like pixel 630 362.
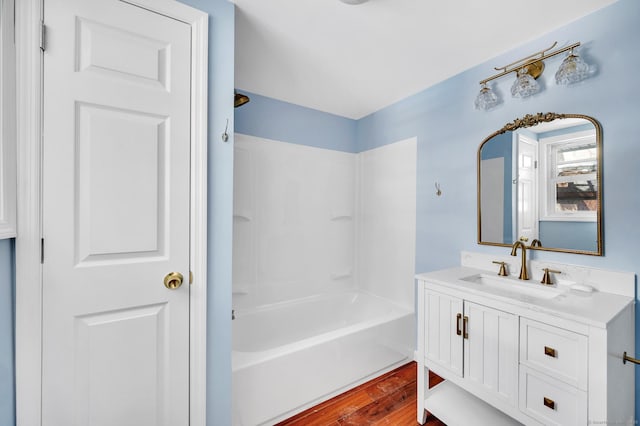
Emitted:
pixel 535 243
pixel 503 268
pixel 546 278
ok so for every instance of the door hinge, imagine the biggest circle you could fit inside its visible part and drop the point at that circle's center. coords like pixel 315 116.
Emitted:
pixel 535 164
pixel 43 36
pixel 190 277
pixel 41 250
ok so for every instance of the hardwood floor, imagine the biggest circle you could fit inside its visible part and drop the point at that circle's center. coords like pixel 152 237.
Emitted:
pixel 386 400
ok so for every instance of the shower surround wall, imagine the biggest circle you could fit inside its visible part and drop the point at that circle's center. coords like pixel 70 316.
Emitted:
pixel 386 221
pixel 294 224
pixel 310 220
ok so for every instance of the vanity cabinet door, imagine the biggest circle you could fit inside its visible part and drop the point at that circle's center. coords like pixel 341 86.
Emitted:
pixel 491 351
pixel 443 331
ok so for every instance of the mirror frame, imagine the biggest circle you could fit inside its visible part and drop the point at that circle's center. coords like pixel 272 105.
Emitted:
pixel 530 120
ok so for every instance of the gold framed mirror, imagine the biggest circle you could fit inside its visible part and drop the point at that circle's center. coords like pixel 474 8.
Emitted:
pixel 540 181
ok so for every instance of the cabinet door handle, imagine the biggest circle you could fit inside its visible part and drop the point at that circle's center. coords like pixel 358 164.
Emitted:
pixel 548 402
pixel 465 324
pixel 458 318
pixel 549 352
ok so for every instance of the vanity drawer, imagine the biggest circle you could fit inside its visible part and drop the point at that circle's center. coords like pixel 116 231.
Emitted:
pixel 554 351
pixel 551 401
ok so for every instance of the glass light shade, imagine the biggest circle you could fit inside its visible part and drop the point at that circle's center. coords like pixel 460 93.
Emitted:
pixel 524 86
pixel 572 70
pixel 486 99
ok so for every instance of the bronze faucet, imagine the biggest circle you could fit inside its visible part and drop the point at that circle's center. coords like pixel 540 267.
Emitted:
pixel 524 274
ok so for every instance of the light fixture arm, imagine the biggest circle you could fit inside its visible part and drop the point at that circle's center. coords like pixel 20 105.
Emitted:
pixel 541 53
pixel 531 59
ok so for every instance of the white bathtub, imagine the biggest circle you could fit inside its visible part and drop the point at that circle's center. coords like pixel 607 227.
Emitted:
pixel 289 356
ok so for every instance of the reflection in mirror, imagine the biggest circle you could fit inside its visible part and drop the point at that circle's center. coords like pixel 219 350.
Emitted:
pixel 539 179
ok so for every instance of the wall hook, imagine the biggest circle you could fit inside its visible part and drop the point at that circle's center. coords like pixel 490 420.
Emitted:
pixel 225 135
pixel 438 191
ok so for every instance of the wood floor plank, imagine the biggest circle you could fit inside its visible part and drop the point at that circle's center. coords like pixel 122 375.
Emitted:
pixel 388 400
pixel 331 412
pixel 347 399
pixel 391 383
pixel 380 408
pixel 406 416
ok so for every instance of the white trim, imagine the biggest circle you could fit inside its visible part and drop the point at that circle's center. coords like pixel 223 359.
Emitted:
pixel 198 312
pixel 28 267
pixel 7 121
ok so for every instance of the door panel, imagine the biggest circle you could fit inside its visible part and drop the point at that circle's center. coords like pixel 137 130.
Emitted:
pixel 122 54
pixel 113 348
pixel 115 215
pixel 136 143
pixel 491 351
pixel 443 343
pixel 527 194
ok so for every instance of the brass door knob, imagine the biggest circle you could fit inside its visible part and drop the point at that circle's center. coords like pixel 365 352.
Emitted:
pixel 173 280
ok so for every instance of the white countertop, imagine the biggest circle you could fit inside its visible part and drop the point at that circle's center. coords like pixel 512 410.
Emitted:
pixel 594 309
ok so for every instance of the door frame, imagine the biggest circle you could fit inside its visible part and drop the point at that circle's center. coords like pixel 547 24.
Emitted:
pixel 29 76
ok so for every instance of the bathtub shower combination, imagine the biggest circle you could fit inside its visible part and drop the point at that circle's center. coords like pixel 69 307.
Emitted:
pixel 289 356
pixel 323 268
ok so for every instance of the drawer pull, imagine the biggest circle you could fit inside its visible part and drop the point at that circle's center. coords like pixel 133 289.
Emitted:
pixel 550 403
pixel 549 352
pixel 465 323
pixel 458 318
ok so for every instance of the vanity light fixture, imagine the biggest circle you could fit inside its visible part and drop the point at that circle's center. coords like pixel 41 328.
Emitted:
pixel 525 85
pixel 486 99
pixel 572 70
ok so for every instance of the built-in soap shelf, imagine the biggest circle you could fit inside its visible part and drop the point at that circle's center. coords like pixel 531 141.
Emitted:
pixel 243 216
pixel 340 217
pixel 341 275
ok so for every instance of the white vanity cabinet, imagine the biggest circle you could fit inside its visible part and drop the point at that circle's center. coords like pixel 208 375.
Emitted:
pixel 474 342
pixel 519 362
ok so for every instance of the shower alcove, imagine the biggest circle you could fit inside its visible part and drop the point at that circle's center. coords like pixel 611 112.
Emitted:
pixel 323 286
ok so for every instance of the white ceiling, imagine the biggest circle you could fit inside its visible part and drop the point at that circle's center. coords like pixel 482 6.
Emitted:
pixel 352 60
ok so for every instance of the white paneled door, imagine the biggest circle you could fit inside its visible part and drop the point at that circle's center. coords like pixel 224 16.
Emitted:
pixel 115 215
pixel 527 192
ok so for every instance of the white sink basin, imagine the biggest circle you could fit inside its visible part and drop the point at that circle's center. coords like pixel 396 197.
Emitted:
pixel 508 286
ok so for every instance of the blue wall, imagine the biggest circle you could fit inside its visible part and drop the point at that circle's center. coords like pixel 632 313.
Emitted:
pixel 7 321
pixel 273 119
